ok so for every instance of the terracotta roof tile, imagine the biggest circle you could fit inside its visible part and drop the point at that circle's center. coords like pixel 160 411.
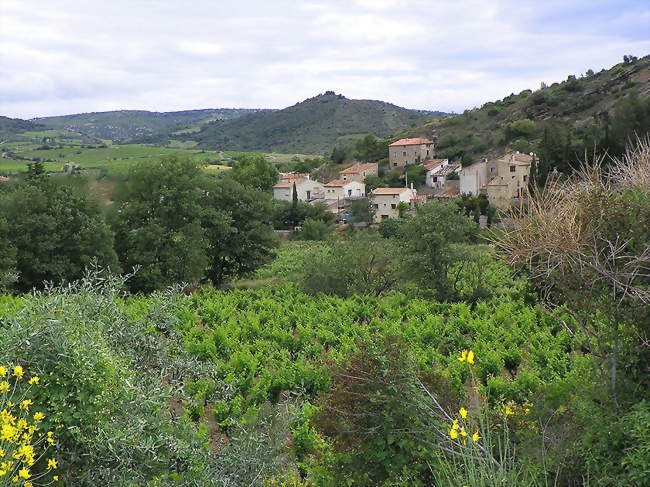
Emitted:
pixel 415 141
pixel 380 191
pixel 449 192
pixel 289 184
pixel 357 169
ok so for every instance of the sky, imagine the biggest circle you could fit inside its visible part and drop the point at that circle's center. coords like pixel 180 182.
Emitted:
pixel 73 56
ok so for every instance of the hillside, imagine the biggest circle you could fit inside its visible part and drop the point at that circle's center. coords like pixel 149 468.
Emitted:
pixel 125 124
pixel 12 126
pixel 313 126
pixel 582 108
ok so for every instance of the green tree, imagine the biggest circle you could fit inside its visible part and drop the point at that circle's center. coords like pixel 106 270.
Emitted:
pixel 7 254
pixel 35 170
pixel 338 155
pixel 392 179
pixel 362 211
pixel 416 174
pixel 428 243
pixel 255 171
pixel 249 239
pixel 373 182
pixel 363 264
pixel 158 223
pixel 314 230
pixel 56 231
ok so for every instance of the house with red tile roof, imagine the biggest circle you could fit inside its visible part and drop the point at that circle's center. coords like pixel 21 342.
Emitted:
pixel 385 201
pixel 340 190
pixel 359 171
pixel 405 152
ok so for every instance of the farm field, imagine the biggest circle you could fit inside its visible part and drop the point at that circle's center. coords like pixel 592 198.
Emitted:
pixel 113 160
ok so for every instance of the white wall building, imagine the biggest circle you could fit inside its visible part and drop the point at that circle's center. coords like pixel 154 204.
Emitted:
pixel 306 188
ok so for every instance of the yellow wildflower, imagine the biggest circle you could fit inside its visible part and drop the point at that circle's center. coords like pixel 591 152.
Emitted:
pixel 463 432
pixel 18 371
pixel 51 463
pixel 23 473
pixel 25 404
pixel 475 436
pixel 463 356
pixel 463 413
pixel 454 425
pixel 453 434
pixel 56 477
pixel 3 371
pixel 34 380
pixel 4 386
pixel 38 416
pixel 470 357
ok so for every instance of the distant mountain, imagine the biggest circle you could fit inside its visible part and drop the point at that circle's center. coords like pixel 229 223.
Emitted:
pixel 13 126
pixel 585 109
pixel 313 126
pixel 126 124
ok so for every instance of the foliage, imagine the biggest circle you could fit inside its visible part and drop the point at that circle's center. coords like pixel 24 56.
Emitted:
pixel 314 126
pixel 158 224
pixel 391 228
pixel 416 174
pixel 362 211
pixel 520 128
pixel 287 215
pixel 248 240
pixel 358 265
pixel 373 182
pixel 255 171
pixel 56 230
pixel 427 242
pixel 7 253
pixel 371 149
pixel 314 230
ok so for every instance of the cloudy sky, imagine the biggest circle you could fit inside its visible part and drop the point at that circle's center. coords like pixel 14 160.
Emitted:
pixel 71 56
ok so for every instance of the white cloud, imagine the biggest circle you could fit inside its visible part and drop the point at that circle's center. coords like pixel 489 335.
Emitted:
pixel 67 56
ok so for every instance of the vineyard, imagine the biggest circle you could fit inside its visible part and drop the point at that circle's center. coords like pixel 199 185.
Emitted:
pixel 141 374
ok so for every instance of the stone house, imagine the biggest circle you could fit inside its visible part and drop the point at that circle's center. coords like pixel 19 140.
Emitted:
pixel 359 171
pixel 502 179
pixel 385 201
pixel 405 152
pixel 340 190
pixel 307 189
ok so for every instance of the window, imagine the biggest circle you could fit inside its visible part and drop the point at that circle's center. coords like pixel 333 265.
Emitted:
pixel 308 195
pixel 404 153
pixel 394 164
pixel 513 168
pixel 427 152
pixel 492 169
pixel 393 206
pixel 384 217
pixel 349 192
pixel 525 177
pixel 376 206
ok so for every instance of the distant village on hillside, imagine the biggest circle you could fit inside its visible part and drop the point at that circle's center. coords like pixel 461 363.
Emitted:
pixel 503 180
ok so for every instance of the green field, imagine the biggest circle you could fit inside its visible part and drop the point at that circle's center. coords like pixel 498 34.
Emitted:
pixel 114 160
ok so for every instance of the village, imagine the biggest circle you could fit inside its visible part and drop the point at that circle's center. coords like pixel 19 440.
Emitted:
pixel 503 180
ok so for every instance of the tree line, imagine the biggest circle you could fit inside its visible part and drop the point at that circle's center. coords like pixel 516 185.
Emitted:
pixel 169 222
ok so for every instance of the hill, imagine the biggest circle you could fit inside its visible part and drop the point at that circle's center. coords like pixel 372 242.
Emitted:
pixel 125 124
pixel 13 126
pixel 313 126
pixel 582 110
